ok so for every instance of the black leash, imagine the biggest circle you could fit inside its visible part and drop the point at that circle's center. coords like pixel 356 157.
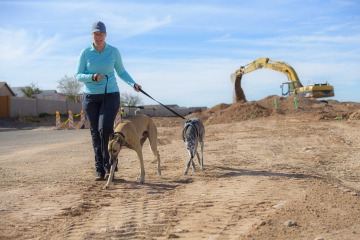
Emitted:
pixel 103 147
pixel 162 104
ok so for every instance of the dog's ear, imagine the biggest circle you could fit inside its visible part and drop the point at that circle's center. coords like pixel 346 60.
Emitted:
pixel 120 138
pixel 112 137
pixel 183 134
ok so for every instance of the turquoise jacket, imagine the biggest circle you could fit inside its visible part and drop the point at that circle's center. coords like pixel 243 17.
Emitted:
pixel 92 62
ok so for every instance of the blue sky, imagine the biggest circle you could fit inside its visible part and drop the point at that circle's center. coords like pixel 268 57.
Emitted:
pixel 183 52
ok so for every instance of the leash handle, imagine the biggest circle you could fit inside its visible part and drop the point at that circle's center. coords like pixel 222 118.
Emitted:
pixel 140 89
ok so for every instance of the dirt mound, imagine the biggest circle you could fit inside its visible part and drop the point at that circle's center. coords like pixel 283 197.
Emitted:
pixel 273 106
pixel 354 115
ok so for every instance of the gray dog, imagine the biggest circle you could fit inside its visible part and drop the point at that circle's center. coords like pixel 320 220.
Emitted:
pixel 193 134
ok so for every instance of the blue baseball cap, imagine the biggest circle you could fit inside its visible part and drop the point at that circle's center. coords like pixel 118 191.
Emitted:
pixel 99 27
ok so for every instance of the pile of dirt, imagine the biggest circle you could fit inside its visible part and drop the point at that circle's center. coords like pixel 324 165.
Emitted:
pixel 274 106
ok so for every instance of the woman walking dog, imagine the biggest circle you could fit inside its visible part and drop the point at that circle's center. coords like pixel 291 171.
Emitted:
pixel 101 99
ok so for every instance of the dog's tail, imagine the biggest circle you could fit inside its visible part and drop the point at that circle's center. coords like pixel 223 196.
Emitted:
pixel 153 144
pixel 153 138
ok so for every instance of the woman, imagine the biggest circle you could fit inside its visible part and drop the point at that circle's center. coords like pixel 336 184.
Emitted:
pixel 101 99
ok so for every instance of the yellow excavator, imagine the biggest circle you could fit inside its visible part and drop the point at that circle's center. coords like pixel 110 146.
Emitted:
pixel 294 85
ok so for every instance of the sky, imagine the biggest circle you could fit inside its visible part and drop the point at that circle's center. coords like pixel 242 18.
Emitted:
pixel 184 51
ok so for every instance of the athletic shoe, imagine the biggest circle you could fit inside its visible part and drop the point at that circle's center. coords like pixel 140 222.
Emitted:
pixel 100 177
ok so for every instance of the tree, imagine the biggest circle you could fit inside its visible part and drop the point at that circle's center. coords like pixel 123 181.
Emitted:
pixel 130 100
pixel 71 87
pixel 30 90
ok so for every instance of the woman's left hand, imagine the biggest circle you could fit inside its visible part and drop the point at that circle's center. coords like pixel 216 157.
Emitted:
pixel 137 87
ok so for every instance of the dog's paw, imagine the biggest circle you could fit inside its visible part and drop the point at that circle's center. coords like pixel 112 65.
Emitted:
pixel 141 180
pixel 106 187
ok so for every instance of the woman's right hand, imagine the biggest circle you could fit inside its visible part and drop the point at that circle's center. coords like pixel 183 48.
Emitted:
pixel 99 77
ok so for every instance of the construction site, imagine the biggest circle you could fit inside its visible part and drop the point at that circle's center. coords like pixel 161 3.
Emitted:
pixel 282 167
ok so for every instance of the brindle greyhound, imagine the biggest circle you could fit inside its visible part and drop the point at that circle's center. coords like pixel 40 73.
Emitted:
pixel 194 133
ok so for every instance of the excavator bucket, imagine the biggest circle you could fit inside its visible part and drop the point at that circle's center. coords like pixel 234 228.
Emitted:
pixel 233 77
pixel 239 94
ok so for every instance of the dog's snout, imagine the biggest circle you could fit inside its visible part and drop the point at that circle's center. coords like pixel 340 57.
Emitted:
pixel 190 145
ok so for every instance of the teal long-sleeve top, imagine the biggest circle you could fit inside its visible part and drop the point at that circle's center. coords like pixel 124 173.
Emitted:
pixel 91 62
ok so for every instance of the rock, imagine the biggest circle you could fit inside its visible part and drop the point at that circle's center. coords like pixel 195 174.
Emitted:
pixel 171 235
pixel 290 223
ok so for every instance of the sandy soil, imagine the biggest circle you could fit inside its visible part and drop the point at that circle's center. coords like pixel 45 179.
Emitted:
pixel 282 173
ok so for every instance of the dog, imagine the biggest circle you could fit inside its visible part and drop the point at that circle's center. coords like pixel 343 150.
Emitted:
pixel 194 133
pixel 132 133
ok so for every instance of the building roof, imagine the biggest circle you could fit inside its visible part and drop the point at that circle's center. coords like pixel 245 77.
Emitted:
pixel 18 92
pixel 48 91
pixel 4 84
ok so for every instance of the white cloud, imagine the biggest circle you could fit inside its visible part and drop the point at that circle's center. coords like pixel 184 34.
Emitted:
pixel 20 45
pixel 125 27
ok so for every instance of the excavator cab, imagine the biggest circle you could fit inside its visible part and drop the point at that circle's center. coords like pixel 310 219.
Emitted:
pixel 318 90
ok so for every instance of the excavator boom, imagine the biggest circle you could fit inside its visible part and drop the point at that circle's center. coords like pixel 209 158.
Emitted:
pixel 294 84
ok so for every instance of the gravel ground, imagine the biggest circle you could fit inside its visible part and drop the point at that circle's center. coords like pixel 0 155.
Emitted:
pixel 26 123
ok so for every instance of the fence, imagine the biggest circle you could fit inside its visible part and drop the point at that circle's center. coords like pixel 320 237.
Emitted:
pixel 160 111
pixel 30 107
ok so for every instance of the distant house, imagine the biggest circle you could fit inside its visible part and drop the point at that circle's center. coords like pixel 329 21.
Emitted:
pixel 45 94
pixel 5 94
pixel 5 90
pixel 51 95
pixel 18 92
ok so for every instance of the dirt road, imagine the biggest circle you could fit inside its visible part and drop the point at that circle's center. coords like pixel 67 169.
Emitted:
pixel 273 178
pixel 268 175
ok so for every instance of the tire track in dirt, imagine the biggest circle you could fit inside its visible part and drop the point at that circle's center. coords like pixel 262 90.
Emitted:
pixel 123 213
pixel 187 209
pixel 230 211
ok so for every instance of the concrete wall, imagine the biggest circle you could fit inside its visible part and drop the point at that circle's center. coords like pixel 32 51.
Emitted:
pixel 32 107
pixel 20 107
pixel 26 107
